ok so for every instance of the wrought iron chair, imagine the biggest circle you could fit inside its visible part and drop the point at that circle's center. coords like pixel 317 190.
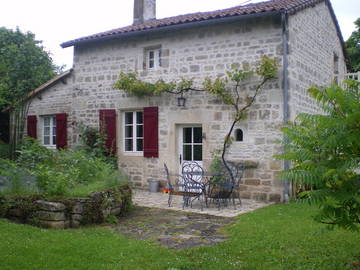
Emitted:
pixel 177 185
pixel 193 175
pixel 222 189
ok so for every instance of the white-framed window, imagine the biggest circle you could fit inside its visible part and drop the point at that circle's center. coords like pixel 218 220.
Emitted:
pixel 133 131
pixel 49 131
pixel 153 58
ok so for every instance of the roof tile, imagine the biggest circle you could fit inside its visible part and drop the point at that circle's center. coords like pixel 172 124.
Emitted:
pixel 290 6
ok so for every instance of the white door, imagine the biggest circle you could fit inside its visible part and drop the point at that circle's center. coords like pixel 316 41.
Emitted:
pixel 190 145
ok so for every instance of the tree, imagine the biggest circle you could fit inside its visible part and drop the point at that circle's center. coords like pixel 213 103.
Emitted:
pixel 353 47
pixel 24 65
pixel 228 89
pixel 325 155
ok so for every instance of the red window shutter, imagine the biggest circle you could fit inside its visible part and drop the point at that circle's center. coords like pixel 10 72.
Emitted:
pixel 61 130
pixel 108 127
pixel 32 126
pixel 151 132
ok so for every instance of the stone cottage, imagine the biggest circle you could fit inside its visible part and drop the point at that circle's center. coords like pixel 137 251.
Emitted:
pixel 147 132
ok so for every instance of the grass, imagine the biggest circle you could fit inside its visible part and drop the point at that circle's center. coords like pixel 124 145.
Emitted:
pixel 275 237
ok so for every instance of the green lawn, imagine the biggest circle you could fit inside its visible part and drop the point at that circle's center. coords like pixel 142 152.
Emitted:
pixel 276 237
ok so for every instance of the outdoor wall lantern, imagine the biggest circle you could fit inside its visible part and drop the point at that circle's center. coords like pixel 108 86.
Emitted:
pixel 181 101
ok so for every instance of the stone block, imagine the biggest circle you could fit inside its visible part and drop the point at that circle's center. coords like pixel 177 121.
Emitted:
pixel 75 224
pixel 50 216
pixel 218 116
pixel 76 217
pixel 245 195
pixel 274 197
pixel 252 182
pixel 115 211
pixel 50 206
pixel 259 196
pixel 275 165
pixel 15 212
pixel 52 224
pixel 242 188
pixel 78 208
pixel 259 141
pixel 194 68
pixel 266 183
pixel 249 173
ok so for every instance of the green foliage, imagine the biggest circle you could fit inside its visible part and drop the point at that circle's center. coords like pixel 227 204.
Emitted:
pixel 353 47
pixel 134 86
pixel 111 219
pixel 325 152
pixel 24 65
pixel 4 150
pixel 93 143
pixel 17 180
pixel 58 173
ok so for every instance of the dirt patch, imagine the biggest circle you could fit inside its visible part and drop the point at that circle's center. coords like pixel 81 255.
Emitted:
pixel 173 229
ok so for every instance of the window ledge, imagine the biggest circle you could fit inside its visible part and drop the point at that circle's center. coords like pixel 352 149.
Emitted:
pixel 133 154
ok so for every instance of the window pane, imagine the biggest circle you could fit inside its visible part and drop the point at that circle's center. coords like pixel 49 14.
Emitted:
pixel 187 153
pixel 139 131
pixel 46 131
pixel 198 152
pixel 139 144
pixel 187 135
pixel 46 121
pixel 128 132
pixel 139 117
pixel 128 145
pixel 159 59
pixel 128 118
pixel 54 140
pixel 53 121
pixel 151 55
pixel 46 140
pixel 151 63
pixel 54 131
pixel 198 135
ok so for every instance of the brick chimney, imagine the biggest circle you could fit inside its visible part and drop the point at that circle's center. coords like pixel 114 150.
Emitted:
pixel 144 11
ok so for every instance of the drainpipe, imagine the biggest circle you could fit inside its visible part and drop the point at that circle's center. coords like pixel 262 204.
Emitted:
pixel 285 88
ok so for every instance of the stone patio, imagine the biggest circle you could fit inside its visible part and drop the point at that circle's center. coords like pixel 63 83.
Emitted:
pixel 160 200
pixel 173 227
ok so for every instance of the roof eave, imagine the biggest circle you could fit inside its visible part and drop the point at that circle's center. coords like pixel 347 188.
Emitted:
pixel 173 27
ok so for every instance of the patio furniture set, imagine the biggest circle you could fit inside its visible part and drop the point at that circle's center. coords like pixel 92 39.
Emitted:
pixel 194 184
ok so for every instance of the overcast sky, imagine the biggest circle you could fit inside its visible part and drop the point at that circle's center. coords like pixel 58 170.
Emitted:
pixel 55 22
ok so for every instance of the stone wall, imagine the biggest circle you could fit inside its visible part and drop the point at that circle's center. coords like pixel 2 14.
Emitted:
pixel 314 45
pixel 67 213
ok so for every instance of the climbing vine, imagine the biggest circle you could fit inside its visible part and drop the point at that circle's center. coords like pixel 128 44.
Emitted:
pixel 227 88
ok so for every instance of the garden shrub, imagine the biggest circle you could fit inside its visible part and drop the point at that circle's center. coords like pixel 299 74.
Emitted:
pixel 4 150
pixel 58 173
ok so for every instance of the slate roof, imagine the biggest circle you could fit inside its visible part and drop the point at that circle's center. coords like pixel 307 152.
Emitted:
pixel 289 6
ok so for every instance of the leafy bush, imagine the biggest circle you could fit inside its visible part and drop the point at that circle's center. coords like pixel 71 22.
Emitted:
pixel 325 153
pixel 93 143
pixel 4 150
pixel 58 173
pixel 15 181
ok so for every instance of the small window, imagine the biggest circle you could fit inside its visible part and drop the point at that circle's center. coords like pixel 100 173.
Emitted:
pixel 239 135
pixel 133 131
pixel 153 58
pixel 49 131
